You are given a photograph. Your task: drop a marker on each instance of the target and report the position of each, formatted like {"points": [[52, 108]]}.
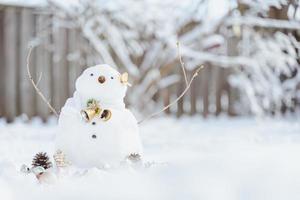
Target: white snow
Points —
{"points": [[217, 158]]}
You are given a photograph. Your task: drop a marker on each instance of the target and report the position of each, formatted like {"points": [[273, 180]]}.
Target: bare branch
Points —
{"points": [[182, 64], [177, 99], [35, 85], [39, 80]]}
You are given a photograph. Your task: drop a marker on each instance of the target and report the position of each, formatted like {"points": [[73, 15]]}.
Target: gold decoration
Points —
{"points": [[92, 103], [106, 115], [89, 113], [93, 109], [124, 79]]}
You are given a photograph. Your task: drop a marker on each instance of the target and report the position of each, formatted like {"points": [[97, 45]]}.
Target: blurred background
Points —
{"points": [[233, 136], [250, 50]]}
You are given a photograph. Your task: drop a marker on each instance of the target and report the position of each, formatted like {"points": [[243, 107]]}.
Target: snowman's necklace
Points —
{"points": [[93, 110]]}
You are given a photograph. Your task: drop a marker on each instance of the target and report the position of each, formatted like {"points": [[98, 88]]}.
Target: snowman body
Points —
{"points": [[96, 143]]}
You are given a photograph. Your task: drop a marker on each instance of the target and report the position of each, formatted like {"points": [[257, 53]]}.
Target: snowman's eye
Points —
{"points": [[111, 77], [91, 74]]}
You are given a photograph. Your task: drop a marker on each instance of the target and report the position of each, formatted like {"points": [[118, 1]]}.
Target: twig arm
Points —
{"points": [[188, 85], [35, 85], [177, 99], [182, 64]]}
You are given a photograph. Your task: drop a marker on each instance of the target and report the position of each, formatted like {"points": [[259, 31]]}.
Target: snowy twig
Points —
{"points": [[182, 64], [221, 60], [39, 80], [177, 99], [35, 85], [264, 22]]}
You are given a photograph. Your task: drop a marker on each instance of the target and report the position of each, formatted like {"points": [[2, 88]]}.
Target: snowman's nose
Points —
{"points": [[101, 79]]}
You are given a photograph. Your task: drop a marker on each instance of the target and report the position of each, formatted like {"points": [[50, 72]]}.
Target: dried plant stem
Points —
{"points": [[35, 85], [177, 99], [188, 85], [182, 64]]}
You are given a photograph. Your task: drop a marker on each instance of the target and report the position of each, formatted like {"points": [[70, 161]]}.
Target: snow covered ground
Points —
{"points": [[222, 159]]}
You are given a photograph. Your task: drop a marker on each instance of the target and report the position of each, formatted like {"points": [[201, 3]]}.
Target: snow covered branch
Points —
{"points": [[35, 85], [265, 58], [263, 22]]}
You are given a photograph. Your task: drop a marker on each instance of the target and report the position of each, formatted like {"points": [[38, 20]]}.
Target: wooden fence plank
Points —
{"points": [[193, 99], [18, 61], [219, 90], [165, 95], [74, 67], [43, 65], [2, 64], [180, 103], [27, 103], [205, 89], [50, 55], [232, 50], [10, 46], [60, 73], [213, 85], [56, 58], [231, 92], [194, 94]]}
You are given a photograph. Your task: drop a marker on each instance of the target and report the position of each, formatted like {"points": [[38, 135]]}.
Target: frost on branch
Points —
{"points": [[270, 81], [140, 37]]}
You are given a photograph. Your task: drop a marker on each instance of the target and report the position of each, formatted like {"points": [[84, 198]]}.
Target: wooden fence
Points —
{"points": [[209, 94]]}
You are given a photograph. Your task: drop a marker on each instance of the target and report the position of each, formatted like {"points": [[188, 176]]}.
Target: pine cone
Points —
{"points": [[41, 159]]}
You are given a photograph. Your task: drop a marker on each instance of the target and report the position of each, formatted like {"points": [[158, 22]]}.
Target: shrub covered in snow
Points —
{"points": [[140, 37], [271, 79]]}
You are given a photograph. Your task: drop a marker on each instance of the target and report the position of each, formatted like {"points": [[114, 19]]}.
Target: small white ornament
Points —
{"points": [[60, 159], [44, 176], [25, 169]]}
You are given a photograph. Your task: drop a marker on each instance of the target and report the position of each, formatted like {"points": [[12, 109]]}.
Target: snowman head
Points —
{"points": [[101, 82]]}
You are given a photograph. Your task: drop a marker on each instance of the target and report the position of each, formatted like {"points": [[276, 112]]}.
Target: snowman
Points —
{"points": [[95, 128]]}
